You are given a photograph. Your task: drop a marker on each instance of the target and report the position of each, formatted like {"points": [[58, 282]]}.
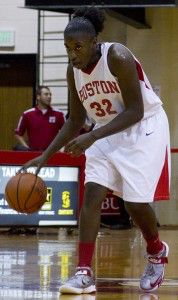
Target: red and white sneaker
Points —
{"points": [[154, 272], [81, 283]]}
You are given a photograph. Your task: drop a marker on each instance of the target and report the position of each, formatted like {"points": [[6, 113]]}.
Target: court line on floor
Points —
{"points": [[135, 281]]}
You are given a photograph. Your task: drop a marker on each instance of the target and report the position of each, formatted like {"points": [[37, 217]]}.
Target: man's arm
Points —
{"points": [[20, 131], [21, 141]]}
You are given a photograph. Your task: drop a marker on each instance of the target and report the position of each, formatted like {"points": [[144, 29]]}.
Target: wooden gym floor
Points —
{"points": [[32, 266]]}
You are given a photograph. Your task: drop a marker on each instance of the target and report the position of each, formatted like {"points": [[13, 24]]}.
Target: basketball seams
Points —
{"points": [[20, 208], [35, 205], [18, 184], [39, 189], [29, 195]]}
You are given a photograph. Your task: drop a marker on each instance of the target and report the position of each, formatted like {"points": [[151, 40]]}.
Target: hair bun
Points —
{"points": [[94, 15]]}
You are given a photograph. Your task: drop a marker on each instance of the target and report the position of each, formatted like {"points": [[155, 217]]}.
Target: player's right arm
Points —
{"points": [[70, 128]]}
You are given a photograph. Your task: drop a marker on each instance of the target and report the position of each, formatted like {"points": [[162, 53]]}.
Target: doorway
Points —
{"points": [[17, 92]]}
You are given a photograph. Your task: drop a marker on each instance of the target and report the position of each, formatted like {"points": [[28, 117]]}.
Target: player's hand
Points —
{"points": [[78, 145], [35, 162]]}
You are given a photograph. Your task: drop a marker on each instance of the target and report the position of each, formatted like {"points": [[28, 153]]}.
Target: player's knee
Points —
{"points": [[90, 205], [94, 195], [134, 208]]}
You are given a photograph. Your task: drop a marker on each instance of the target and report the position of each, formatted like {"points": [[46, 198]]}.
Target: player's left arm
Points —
{"points": [[122, 66]]}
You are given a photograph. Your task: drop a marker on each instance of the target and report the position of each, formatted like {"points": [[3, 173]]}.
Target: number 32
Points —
{"points": [[102, 110]]}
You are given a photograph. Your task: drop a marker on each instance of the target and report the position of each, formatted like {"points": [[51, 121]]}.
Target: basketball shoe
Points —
{"points": [[81, 283], [154, 271]]}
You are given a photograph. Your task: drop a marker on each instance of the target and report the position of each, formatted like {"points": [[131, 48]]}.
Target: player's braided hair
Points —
{"points": [[89, 20]]}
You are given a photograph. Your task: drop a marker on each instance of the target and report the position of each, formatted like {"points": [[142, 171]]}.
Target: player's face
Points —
{"points": [[81, 49], [44, 99]]}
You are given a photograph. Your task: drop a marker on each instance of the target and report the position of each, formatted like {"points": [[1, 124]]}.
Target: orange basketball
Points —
{"points": [[26, 192]]}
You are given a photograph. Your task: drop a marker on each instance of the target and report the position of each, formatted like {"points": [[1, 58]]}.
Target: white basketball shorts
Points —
{"points": [[130, 162]]}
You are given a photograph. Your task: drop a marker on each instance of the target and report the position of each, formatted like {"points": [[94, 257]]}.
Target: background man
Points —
{"points": [[41, 123]]}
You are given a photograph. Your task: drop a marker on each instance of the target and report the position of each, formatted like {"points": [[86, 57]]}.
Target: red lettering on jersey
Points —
{"points": [[103, 108], [104, 87], [97, 87], [114, 88], [83, 94], [90, 89]]}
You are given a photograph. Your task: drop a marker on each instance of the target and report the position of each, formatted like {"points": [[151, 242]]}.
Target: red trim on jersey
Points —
{"points": [[90, 69], [174, 150], [140, 73], [162, 189]]}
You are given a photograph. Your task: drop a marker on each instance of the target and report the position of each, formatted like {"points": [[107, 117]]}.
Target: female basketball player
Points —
{"points": [[126, 150]]}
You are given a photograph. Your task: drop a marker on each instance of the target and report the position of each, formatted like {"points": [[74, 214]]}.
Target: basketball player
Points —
{"points": [[126, 150]]}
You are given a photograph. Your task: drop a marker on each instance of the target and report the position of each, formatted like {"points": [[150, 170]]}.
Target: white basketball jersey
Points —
{"points": [[100, 93]]}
